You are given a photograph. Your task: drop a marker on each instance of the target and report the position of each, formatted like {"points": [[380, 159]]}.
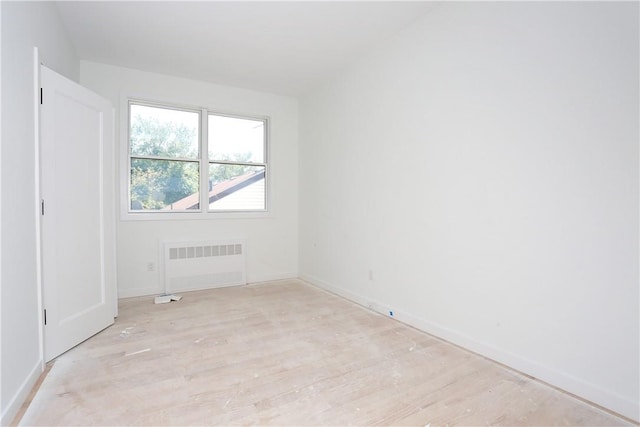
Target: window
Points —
{"points": [[236, 163], [176, 167], [164, 147]]}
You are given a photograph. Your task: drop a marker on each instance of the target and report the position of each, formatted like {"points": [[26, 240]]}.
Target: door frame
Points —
{"points": [[38, 221]]}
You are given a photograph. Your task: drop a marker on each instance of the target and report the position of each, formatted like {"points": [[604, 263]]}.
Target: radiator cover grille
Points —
{"points": [[196, 265]]}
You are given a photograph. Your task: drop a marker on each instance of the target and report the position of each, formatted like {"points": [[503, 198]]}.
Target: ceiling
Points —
{"points": [[280, 47]]}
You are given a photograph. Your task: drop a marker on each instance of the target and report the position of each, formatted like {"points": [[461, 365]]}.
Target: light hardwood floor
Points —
{"points": [[285, 353]]}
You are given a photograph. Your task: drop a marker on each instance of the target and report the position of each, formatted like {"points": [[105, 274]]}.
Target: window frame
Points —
{"points": [[204, 212], [264, 163]]}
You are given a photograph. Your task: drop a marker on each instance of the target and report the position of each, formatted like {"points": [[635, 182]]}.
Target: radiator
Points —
{"points": [[190, 266]]}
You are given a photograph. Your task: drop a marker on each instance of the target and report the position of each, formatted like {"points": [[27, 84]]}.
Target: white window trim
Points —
{"points": [[203, 214]]}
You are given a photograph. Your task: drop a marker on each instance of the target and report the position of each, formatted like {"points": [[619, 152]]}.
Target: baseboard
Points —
{"points": [[148, 291], [270, 277], [16, 402], [582, 389]]}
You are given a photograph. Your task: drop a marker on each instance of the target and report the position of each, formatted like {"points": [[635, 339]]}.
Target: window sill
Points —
{"points": [[195, 216]]}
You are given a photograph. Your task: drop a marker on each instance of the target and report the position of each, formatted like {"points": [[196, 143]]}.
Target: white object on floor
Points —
{"points": [[163, 299]]}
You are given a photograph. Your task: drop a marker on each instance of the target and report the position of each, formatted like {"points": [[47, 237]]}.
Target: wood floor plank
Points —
{"points": [[285, 353]]}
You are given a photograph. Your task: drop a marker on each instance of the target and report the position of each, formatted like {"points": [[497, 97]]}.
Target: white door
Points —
{"points": [[76, 124]]}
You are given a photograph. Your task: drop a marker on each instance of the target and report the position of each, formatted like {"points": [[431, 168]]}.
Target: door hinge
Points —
{"points": [[42, 207], [45, 316], [40, 96]]}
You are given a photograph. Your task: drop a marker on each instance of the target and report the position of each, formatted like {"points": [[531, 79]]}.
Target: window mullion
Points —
{"points": [[204, 160], [232, 163], [170, 159]]}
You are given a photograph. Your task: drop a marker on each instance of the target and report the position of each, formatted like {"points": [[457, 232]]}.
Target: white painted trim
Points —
{"points": [[38, 198], [270, 277], [204, 166], [155, 290], [576, 386], [22, 394], [114, 211]]}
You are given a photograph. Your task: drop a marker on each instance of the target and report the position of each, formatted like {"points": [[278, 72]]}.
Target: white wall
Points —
{"points": [[272, 242], [24, 26], [478, 175]]}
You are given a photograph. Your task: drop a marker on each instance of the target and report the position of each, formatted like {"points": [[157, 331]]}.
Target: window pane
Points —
{"points": [[235, 187], [164, 185], [163, 132], [234, 139]]}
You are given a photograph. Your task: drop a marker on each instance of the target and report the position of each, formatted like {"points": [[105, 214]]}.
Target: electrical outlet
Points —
{"points": [[151, 266], [370, 274]]}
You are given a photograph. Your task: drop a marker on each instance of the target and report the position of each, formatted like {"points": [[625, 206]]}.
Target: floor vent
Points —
{"points": [[190, 266]]}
